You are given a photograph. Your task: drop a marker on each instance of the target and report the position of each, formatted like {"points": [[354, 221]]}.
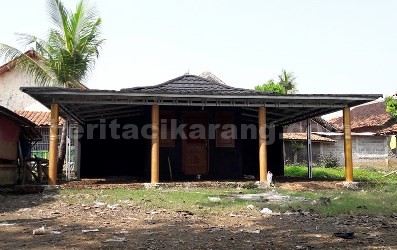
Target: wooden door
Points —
{"points": [[195, 145]]}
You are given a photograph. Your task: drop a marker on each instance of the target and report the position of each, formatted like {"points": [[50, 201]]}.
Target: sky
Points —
{"points": [[332, 47]]}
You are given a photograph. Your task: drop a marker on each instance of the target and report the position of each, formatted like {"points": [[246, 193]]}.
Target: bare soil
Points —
{"points": [[139, 228]]}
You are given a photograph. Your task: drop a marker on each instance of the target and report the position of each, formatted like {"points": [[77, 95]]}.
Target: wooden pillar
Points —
{"points": [[52, 168], [348, 145], [262, 144], [155, 143]]}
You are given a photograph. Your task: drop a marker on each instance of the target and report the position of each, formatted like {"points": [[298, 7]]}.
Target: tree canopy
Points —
{"points": [[285, 85], [271, 87], [391, 106], [287, 80], [68, 53]]}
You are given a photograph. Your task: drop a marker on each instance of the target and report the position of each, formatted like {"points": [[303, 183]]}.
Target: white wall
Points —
{"points": [[10, 95]]}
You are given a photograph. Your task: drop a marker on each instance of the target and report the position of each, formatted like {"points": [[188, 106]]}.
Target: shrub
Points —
{"points": [[329, 160]]}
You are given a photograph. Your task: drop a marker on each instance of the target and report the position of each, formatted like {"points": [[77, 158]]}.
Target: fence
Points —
{"points": [[41, 148]]}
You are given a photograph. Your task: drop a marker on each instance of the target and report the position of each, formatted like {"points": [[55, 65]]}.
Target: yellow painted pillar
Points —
{"points": [[53, 154], [348, 145], [262, 144], [155, 144]]}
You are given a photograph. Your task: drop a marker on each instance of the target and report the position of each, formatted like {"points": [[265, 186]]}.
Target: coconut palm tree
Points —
{"points": [[287, 79], [67, 55]]}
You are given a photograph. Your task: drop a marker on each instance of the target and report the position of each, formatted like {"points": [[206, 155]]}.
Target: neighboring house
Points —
{"points": [[16, 133], [11, 80], [371, 126], [11, 97], [295, 140], [372, 129], [193, 121]]}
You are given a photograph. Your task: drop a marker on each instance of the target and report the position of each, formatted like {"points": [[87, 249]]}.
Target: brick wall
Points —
{"points": [[367, 150]]}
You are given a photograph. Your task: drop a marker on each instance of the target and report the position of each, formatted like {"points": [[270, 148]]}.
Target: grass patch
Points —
{"points": [[379, 200], [194, 200], [377, 194], [363, 175]]}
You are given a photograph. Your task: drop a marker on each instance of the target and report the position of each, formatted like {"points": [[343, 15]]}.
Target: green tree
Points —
{"points": [[271, 87], [288, 81], [68, 53], [391, 106]]}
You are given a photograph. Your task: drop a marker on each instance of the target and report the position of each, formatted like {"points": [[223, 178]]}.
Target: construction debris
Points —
{"points": [[89, 230], [39, 231], [116, 239]]}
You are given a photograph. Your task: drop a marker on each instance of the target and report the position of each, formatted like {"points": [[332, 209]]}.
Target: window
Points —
{"points": [[226, 129]]}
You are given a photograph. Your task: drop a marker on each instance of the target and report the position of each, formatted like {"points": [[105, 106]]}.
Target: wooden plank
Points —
{"points": [[8, 150]]}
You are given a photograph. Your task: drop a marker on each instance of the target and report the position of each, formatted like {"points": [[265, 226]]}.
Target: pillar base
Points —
{"points": [[263, 184], [150, 185], [350, 185]]}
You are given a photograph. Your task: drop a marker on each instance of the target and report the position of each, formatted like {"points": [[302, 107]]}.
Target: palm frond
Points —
{"points": [[70, 50], [41, 74], [40, 45]]}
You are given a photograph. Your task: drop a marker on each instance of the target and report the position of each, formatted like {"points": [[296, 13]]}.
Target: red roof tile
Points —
{"points": [[391, 130], [37, 117], [366, 116], [303, 137]]}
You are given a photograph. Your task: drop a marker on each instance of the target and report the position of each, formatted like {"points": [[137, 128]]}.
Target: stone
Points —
{"points": [[350, 185]]}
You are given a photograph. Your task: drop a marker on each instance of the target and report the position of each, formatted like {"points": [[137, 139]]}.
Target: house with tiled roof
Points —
{"points": [[371, 118], [373, 133], [11, 97], [295, 140]]}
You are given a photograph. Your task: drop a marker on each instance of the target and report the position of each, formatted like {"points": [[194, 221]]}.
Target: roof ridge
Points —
{"points": [[156, 85], [207, 81]]}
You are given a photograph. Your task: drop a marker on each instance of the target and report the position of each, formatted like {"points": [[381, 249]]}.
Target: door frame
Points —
{"points": [[191, 114]]}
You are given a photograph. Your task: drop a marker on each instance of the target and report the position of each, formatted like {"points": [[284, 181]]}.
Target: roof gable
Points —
{"points": [[11, 64], [192, 85]]}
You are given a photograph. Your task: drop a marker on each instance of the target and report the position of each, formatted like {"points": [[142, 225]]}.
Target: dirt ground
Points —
{"points": [[131, 227]]}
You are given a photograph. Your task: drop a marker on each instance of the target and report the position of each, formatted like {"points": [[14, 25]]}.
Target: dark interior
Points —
{"points": [[109, 157], [114, 157]]}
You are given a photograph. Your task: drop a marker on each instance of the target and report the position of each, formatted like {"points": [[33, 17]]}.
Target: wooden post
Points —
{"points": [[262, 144], [155, 143], [77, 150], [348, 145], [309, 149], [52, 168]]}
